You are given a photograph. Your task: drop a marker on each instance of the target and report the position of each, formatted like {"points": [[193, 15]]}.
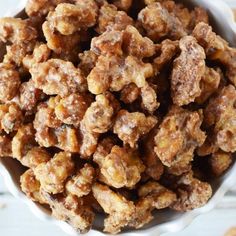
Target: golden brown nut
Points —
{"points": [[131, 126], [178, 136], [159, 23], [100, 115], [220, 161], [29, 96], [217, 49], [35, 157], [119, 209], [152, 195], [192, 193], [189, 68], [109, 17], [221, 113], [208, 85], [23, 141], [123, 4], [11, 117], [129, 93], [168, 50], [38, 8], [120, 168], [71, 209], [114, 73], [58, 77], [71, 110], [5, 146], [16, 30], [53, 174], [41, 53], [81, 183], [10, 82], [31, 187], [69, 18]]}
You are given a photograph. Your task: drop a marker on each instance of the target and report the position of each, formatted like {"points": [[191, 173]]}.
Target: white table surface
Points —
{"points": [[16, 218]]}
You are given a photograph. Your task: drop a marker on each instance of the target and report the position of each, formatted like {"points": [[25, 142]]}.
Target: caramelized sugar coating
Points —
{"points": [[31, 187], [130, 127], [178, 136], [81, 183], [5, 146], [191, 193], [119, 209], [152, 196], [221, 113], [16, 30], [189, 68], [220, 162], [71, 209], [114, 73], [69, 18], [121, 167], [129, 93], [58, 77], [159, 23], [53, 174], [9, 81], [11, 117], [123, 4], [217, 49]]}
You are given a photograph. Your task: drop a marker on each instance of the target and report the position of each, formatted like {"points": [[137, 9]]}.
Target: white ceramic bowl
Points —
{"points": [[165, 221]]}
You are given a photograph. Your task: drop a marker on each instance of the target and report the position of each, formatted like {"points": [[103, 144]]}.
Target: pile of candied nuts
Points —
{"points": [[121, 107]]}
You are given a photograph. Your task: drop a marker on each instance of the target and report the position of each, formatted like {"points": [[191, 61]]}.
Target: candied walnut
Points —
{"points": [[149, 98], [131, 126], [209, 84], [221, 113], [70, 110], [11, 117], [116, 72], [208, 147], [29, 96], [31, 187], [110, 42], [168, 50], [123, 4], [61, 44], [100, 115], [189, 68], [16, 53], [23, 141], [154, 166], [69, 18], [159, 23], [217, 49], [58, 77], [136, 45], [41, 53], [88, 61], [5, 146], [16, 30], [119, 209], [39, 8], [182, 167], [81, 183], [9, 82], [35, 157], [198, 15], [191, 193], [178, 136], [129, 93], [72, 210], [152, 196], [109, 17], [53, 174], [220, 162], [120, 168]]}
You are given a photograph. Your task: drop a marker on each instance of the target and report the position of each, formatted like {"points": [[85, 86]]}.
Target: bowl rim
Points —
{"points": [[168, 227]]}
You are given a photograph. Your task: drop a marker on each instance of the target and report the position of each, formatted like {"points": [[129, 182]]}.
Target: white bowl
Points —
{"points": [[165, 221]]}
